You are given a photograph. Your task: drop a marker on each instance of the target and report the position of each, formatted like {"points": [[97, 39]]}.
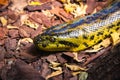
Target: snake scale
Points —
{"points": [[82, 33]]}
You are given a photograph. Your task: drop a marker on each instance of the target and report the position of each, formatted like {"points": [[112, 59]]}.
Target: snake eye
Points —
{"points": [[37, 40], [52, 39]]}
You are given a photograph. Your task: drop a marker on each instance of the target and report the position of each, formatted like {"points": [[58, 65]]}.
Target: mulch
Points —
{"points": [[21, 60]]}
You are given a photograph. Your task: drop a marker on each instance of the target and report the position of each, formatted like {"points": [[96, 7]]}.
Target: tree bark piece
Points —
{"points": [[106, 67]]}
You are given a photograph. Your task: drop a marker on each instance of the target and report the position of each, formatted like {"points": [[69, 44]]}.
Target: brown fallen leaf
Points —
{"points": [[12, 27], [37, 31], [75, 67], [27, 29], [76, 73], [57, 72], [115, 37], [80, 10], [3, 21], [76, 57], [45, 6], [2, 42], [79, 57], [93, 5], [31, 24], [10, 44], [56, 11], [34, 3], [70, 7], [13, 33], [17, 7], [41, 19], [54, 64], [23, 33], [23, 18], [4, 2], [3, 32], [105, 43], [2, 55], [12, 16], [27, 40], [65, 14], [47, 13], [43, 1], [51, 58]]}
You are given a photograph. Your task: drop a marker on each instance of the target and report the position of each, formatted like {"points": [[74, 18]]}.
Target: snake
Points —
{"points": [[81, 33]]}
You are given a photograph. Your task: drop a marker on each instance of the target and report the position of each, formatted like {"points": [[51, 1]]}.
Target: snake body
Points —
{"points": [[80, 34]]}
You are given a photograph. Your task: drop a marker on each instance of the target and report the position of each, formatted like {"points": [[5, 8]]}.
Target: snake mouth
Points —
{"points": [[68, 43]]}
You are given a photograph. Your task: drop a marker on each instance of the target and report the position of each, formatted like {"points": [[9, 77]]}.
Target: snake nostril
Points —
{"points": [[44, 45]]}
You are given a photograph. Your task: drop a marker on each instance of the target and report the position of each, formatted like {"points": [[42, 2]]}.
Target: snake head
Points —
{"points": [[52, 43]]}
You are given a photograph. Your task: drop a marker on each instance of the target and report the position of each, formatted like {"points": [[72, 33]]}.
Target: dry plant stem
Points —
{"points": [[96, 56]]}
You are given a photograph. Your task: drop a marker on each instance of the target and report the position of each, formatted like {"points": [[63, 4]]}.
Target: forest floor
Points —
{"points": [[22, 20]]}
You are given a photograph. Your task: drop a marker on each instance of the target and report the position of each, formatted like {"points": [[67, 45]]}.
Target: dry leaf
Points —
{"points": [[57, 72], [31, 24], [74, 67], [18, 5], [34, 3], [75, 9], [56, 68], [107, 42], [28, 40], [4, 2], [70, 7], [115, 37], [94, 50], [3, 21], [76, 73], [76, 57], [47, 13], [83, 76], [80, 10], [23, 18], [54, 64], [12, 27], [3, 32], [57, 11], [104, 43]]}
